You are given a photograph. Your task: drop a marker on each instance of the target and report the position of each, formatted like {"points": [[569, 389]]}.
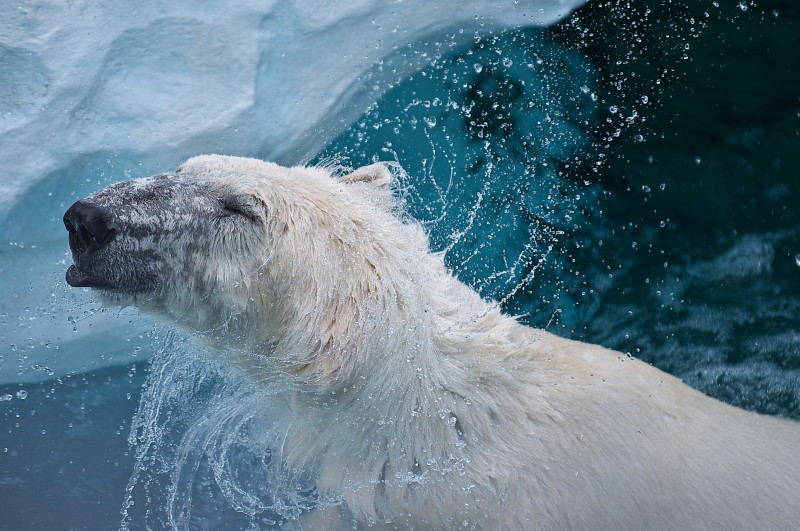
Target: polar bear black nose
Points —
{"points": [[88, 227]]}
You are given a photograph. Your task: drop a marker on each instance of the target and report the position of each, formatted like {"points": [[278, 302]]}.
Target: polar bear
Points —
{"points": [[409, 398]]}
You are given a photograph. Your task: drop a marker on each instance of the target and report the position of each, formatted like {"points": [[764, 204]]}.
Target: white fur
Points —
{"points": [[420, 404]]}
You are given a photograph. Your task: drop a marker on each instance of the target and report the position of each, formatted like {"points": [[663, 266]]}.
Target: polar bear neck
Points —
{"points": [[385, 347], [351, 289]]}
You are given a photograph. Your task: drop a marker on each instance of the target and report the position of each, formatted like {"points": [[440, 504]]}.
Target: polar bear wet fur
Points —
{"points": [[412, 400]]}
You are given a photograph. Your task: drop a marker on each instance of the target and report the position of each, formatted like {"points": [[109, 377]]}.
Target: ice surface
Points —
{"points": [[95, 92]]}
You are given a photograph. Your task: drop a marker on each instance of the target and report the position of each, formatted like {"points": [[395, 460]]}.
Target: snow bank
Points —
{"points": [[95, 92]]}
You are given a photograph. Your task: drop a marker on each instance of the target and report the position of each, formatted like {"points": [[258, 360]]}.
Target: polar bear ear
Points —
{"points": [[376, 174]]}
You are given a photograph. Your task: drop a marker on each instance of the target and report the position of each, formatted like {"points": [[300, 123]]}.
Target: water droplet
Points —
{"points": [[614, 109], [478, 68]]}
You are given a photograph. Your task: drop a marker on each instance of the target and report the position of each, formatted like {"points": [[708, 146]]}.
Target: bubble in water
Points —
{"points": [[797, 259]]}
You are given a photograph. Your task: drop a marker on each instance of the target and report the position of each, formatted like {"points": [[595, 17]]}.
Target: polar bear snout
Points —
{"points": [[135, 237], [88, 227], [90, 232]]}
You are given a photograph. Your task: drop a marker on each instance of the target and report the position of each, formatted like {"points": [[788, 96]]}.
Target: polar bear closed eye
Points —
{"points": [[414, 401]]}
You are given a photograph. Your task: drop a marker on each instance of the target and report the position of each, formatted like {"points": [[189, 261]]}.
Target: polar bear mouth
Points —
{"points": [[77, 278]]}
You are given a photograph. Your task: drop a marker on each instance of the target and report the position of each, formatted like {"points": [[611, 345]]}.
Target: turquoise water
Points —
{"points": [[628, 178]]}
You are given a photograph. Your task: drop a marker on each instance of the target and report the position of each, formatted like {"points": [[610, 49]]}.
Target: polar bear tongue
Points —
{"points": [[79, 279]]}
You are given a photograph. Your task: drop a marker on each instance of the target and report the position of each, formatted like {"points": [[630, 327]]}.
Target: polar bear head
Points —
{"points": [[227, 246]]}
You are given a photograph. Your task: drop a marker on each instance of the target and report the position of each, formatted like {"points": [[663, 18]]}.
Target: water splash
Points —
{"points": [[204, 438], [497, 182]]}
